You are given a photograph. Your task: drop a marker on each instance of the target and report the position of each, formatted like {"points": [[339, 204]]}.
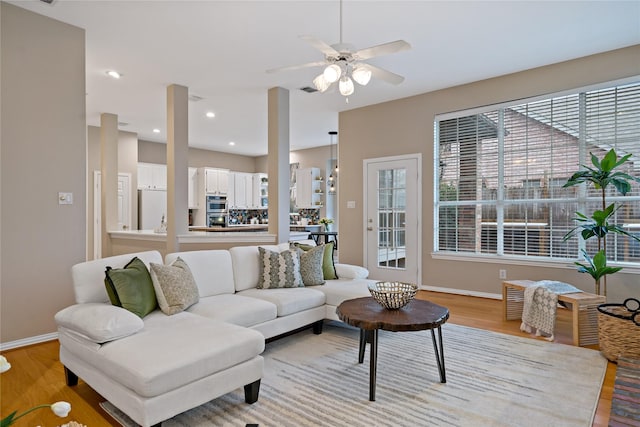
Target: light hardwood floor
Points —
{"points": [[37, 377]]}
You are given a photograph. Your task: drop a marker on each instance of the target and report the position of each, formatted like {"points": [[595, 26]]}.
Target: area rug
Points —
{"points": [[492, 380], [625, 403]]}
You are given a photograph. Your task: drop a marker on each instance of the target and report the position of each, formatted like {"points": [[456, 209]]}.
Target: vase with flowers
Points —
{"points": [[326, 221]]}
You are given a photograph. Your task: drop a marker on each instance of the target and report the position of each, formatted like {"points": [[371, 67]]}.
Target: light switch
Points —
{"points": [[65, 198], [351, 204]]}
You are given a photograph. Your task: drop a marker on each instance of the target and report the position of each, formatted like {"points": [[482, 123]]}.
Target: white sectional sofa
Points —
{"points": [[158, 366]]}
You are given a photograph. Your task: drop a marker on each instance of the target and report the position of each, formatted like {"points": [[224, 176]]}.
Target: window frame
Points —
{"points": [[515, 259]]}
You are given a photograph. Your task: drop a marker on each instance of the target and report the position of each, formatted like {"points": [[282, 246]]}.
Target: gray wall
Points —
{"points": [[154, 152], [43, 152], [406, 126]]}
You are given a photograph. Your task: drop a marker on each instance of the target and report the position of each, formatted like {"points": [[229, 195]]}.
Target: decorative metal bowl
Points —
{"points": [[393, 295]]}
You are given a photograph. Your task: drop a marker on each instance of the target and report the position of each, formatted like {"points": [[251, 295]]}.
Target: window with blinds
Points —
{"points": [[501, 173]]}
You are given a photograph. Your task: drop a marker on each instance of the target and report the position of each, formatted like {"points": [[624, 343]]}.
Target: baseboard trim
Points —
{"points": [[461, 292], [28, 341]]}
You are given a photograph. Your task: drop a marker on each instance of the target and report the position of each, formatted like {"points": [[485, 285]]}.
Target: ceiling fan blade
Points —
{"points": [[385, 75], [296, 67], [382, 49], [320, 45]]}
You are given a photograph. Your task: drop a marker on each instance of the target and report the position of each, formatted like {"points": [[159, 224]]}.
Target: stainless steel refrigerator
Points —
{"points": [[152, 205]]}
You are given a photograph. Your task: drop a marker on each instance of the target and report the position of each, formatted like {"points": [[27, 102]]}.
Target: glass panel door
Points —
{"points": [[392, 190], [392, 239]]}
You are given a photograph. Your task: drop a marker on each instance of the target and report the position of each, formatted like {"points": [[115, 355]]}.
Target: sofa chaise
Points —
{"points": [[155, 367]]}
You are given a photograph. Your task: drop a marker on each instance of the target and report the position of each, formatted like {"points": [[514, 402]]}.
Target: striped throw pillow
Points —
{"points": [[279, 270]]}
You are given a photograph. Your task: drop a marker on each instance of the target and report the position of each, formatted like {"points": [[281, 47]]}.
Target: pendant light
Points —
{"points": [[333, 176]]}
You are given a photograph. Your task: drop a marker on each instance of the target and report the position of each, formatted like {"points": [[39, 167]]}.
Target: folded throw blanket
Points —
{"points": [[540, 305]]}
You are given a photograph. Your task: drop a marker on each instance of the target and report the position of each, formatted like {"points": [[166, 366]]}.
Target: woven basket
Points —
{"points": [[619, 329], [393, 295]]}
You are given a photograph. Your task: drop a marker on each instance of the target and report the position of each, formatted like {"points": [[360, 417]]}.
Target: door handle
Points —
{"points": [[370, 228]]}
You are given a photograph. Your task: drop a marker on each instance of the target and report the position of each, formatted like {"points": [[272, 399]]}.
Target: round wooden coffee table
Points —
{"points": [[366, 314]]}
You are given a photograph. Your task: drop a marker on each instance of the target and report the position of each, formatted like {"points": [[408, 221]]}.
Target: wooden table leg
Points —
{"points": [[372, 366], [439, 354]]}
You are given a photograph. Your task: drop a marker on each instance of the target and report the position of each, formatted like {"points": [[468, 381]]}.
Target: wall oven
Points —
{"points": [[217, 220], [217, 212], [216, 203]]}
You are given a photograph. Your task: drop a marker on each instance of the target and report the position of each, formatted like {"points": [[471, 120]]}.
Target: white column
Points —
{"points": [[278, 163], [177, 164]]}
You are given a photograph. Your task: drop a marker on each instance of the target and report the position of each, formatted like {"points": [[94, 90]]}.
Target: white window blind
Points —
{"points": [[501, 175]]}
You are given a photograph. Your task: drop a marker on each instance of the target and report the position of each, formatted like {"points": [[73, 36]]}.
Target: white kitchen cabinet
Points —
{"points": [[260, 190], [152, 176], [231, 194], [194, 200], [243, 191], [309, 188], [248, 190], [216, 181]]}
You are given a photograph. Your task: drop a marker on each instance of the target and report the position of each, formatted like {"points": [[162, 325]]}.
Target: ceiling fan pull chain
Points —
{"points": [[340, 21]]}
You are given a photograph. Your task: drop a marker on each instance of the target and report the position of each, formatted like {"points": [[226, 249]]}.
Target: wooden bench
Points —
{"points": [[583, 305]]}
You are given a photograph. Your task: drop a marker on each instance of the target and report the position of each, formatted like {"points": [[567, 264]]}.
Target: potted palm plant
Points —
{"points": [[598, 225]]}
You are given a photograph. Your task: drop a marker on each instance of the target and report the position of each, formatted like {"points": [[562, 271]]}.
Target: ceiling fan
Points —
{"points": [[344, 64]]}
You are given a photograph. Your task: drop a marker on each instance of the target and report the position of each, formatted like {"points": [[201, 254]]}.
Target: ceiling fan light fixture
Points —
{"points": [[361, 74], [321, 83], [346, 86], [332, 73]]}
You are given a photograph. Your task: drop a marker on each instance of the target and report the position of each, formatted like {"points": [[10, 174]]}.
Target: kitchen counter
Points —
{"points": [[253, 228], [233, 228], [206, 235]]}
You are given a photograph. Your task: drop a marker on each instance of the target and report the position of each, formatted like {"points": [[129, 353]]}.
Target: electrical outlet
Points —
{"points": [[503, 274]]}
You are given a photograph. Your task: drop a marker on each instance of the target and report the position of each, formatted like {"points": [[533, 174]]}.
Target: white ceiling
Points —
{"points": [[221, 49]]}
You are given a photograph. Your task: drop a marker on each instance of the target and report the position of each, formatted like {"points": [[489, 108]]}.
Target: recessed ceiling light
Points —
{"points": [[211, 114], [114, 74], [156, 130], [232, 143]]}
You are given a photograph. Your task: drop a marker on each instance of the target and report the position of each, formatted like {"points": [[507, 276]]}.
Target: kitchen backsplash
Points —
{"points": [[312, 215], [244, 216]]}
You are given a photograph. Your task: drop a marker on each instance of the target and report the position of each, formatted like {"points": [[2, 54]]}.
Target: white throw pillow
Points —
{"points": [[348, 271], [99, 322]]}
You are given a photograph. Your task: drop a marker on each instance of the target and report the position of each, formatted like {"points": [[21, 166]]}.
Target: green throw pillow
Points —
{"points": [[328, 267], [311, 265], [279, 270], [131, 288]]}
